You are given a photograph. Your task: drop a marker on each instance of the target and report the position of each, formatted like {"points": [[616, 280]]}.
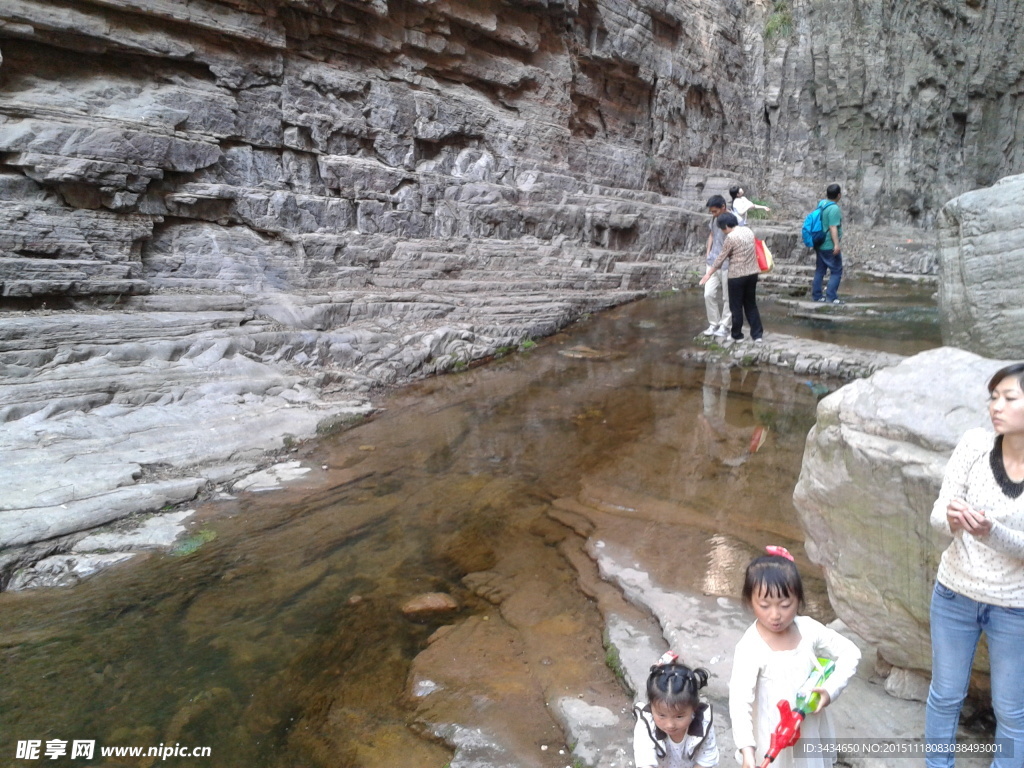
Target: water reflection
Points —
{"points": [[725, 560], [280, 642]]}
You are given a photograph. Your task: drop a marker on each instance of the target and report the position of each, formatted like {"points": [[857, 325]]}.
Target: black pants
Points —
{"points": [[743, 301]]}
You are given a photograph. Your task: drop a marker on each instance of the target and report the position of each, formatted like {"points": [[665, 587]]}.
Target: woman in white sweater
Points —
{"points": [[741, 204], [980, 583]]}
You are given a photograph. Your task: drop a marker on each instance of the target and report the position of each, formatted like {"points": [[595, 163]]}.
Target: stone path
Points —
{"points": [[802, 356]]}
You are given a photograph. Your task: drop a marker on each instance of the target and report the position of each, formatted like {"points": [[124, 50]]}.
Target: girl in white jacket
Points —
{"points": [[775, 657], [675, 729]]}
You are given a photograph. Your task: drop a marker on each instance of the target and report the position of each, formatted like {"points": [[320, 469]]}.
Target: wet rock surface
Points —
{"points": [[802, 356], [94, 552], [64, 570], [430, 603]]}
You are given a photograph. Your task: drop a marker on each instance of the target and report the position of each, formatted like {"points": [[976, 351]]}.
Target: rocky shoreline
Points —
{"points": [[186, 401], [109, 413], [642, 616], [185, 394]]}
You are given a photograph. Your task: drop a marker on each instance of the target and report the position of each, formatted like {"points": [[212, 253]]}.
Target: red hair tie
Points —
{"points": [[773, 549]]}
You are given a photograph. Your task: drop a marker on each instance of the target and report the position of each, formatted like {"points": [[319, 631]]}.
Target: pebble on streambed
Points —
{"points": [[429, 604]]}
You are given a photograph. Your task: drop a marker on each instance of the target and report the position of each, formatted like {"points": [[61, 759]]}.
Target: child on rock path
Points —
{"points": [[774, 658], [675, 729]]}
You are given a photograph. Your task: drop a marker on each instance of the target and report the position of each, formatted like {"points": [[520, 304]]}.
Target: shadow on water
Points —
{"points": [[281, 641]]}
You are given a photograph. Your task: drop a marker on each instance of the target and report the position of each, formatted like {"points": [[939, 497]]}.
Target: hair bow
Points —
{"points": [[667, 658], [774, 549]]}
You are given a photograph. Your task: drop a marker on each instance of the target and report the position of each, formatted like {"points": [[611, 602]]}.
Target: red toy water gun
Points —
{"points": [[787, 732]]}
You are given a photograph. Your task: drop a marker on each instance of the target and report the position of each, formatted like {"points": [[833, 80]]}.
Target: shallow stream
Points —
{"points": [[280, 642]]}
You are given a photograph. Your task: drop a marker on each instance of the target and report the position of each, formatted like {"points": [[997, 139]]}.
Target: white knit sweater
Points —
{"points": [[989, 569]]}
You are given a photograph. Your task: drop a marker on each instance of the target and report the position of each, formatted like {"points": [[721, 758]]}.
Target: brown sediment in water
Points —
{"points": [[281, 641]]}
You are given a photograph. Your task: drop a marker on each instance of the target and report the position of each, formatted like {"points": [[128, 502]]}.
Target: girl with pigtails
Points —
{"points": [[675, 729]]}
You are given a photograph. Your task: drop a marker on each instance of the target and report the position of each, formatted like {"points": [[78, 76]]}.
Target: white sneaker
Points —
{"points": [[759, 341], [709, 331], [721, 332]]}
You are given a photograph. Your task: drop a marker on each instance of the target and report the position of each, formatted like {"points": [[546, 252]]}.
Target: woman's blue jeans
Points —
{"points": [[957, 623]]}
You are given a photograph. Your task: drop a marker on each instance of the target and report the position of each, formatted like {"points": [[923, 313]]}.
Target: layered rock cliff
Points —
{"points": [[905, 104], [310, 146], [230, 215], [293, 144]]}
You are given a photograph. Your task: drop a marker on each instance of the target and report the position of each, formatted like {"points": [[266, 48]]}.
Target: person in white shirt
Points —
{"points": [[716, 291], [980, 582], [774, 658], [675, 729], [741, 204]]}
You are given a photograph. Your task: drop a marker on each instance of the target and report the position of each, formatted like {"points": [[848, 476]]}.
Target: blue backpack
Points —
{"points": [[813, 233]]}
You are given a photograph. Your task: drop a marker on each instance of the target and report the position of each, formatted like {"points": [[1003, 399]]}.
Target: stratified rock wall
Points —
{"points": [[905, 104], [291, 146], [261, 145], [332, 129]]}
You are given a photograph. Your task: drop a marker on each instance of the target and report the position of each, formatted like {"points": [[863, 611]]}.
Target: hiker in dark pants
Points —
{"points": [[829, 255], [739, 249]]}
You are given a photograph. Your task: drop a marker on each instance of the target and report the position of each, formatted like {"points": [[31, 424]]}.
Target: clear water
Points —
{"points": [[280, 643]]}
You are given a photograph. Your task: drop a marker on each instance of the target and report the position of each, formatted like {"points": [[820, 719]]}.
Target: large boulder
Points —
{"points": [[981, 255], [872, 469]]}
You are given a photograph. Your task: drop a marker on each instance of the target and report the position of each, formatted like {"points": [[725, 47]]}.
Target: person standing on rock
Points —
{"points": [[775, 657], [719, 315], [738, 247], [980, 582], [741, 204], [829, 257]]}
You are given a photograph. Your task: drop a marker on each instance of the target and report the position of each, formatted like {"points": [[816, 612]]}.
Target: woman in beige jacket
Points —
{"points": [[743, 272]]}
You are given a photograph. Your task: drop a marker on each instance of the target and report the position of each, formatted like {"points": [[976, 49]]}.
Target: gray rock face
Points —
{"points": [[871, 472], [905, 105], [235, 219], [981, 237], [233, 150], [223, 147], [239, 225], [65, 570]]}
